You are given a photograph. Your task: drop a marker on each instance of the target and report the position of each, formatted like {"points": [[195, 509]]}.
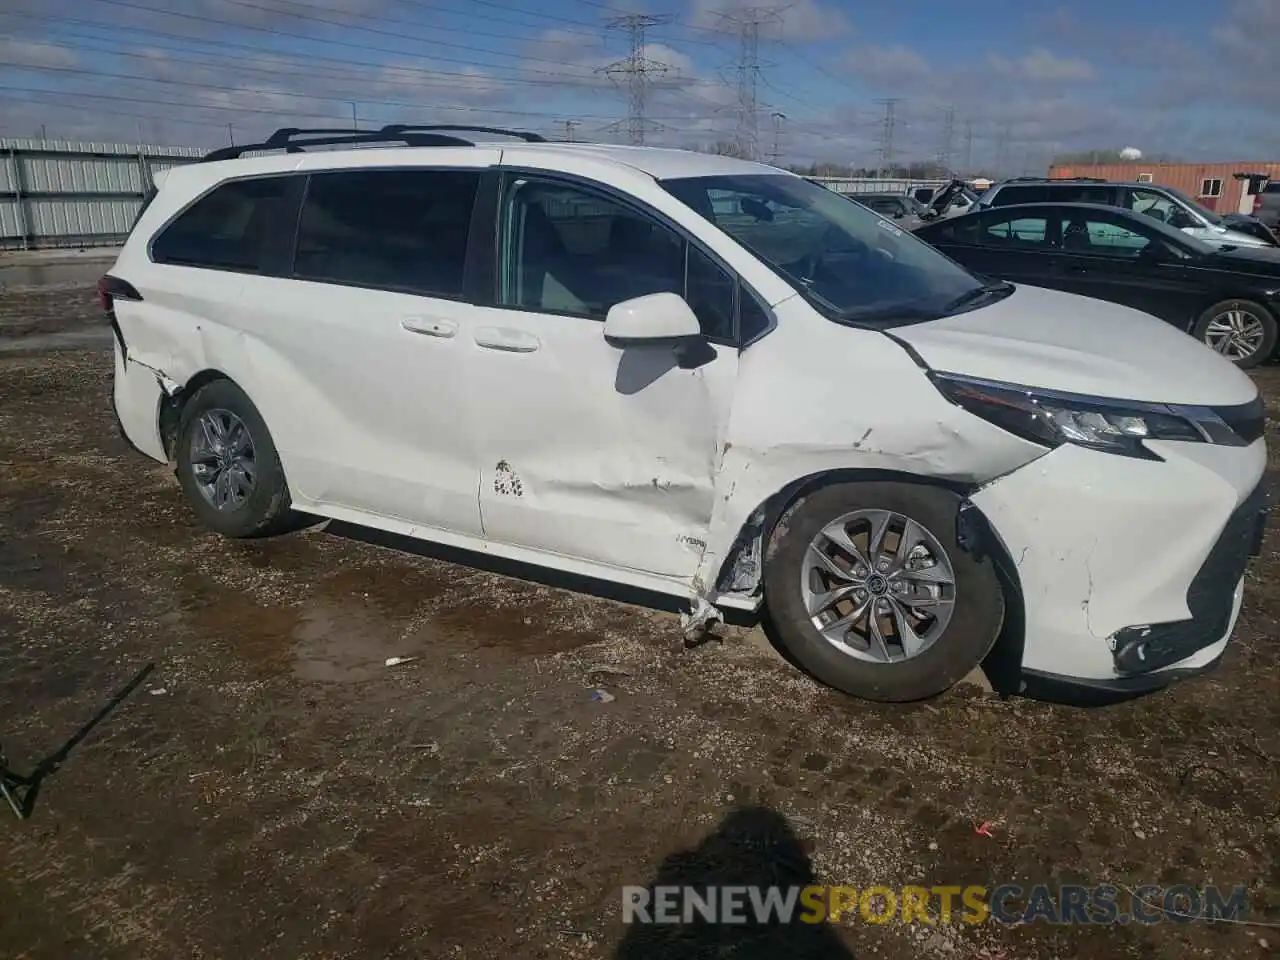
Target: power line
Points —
{"points": [[327, 40], [636, 70], [337, 113]]}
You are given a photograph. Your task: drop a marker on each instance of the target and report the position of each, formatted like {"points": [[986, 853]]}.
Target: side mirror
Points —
{"points": [[656, 319], [898, 214]]}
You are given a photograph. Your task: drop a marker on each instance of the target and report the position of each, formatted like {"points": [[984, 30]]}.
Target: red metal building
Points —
{"points": [[1213, 185]]}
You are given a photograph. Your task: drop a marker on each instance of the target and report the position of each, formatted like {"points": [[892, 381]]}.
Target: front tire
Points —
{"points": [[1243, 331], [870, 592], [228, 466]]}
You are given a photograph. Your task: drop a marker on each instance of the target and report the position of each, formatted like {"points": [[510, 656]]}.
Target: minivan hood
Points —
{"points": [[1042, 338]]}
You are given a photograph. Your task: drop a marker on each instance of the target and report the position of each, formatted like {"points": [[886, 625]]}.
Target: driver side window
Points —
{"points": [[570, 250], [1152, 204]]}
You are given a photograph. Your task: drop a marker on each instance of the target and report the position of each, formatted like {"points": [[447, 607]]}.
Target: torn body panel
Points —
{"points": [[887, 420]]}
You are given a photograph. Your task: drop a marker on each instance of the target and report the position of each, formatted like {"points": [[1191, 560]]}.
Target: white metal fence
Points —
{"points": [[875, 185], [59, 193]]}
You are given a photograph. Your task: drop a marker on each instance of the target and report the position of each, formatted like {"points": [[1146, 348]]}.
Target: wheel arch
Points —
{"points": [[975, 532], [172, 405]]}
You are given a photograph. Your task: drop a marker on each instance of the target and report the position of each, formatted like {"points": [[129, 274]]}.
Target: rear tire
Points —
{"points": [[228, 466], [930, 654], [1243, 331]]}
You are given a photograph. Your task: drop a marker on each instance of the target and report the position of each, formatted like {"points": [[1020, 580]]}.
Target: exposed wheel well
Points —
{"points": [[171, 407], [1004, 663]]}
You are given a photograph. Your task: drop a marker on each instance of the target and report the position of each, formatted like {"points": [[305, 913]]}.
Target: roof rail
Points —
{"points": [[296, 139], [1056, 180]]}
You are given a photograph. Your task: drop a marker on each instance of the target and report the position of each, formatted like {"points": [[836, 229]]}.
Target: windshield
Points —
{"points": [[1205, 212], [848, 262]]}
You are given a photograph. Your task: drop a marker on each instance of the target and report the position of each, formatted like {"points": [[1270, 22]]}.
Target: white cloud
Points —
{"points": [[802, 21], [16, 52]]}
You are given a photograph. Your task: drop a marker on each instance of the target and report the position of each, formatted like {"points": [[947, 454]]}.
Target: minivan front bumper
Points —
{"points": [[1131, 571]]}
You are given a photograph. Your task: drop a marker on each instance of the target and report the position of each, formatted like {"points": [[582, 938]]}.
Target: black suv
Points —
{"points": [[1165, 204]]}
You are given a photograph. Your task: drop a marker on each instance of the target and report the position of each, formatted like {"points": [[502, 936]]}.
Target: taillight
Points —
{"points": [[104, 297], [111, 289], [1257, 203]]}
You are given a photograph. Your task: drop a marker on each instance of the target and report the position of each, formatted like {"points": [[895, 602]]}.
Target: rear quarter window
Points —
{"points": [[226, 229]]}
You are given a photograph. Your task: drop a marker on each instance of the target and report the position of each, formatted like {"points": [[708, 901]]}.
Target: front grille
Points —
{"points": [[1210, 596], [1247, 420]]}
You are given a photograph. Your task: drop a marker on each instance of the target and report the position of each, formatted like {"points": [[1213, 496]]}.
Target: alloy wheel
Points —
{"points": [[878, 586], [1236, 334], [222, 459]]}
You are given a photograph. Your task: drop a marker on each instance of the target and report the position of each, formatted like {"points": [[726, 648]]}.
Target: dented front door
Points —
{"points": [[593, 452]]}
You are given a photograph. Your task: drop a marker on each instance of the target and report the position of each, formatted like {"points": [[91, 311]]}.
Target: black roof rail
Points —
{"points": [[1057, 180], [296, 139], [396, 128]]}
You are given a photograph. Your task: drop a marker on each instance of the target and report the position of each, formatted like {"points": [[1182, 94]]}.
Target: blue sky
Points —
{"points": [[1020, 80]]}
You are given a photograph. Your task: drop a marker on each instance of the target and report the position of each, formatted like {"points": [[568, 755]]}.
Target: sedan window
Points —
{"points": [[1016, 232]]}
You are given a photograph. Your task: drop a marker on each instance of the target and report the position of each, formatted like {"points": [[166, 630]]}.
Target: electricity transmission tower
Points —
{"points": [[1002, 149], [569, 126], [887, 132], [948, 136], [968, 147], [636, 71], [748, 22]]}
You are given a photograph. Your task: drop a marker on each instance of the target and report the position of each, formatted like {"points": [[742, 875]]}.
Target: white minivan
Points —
{"points": [[698, 376]]}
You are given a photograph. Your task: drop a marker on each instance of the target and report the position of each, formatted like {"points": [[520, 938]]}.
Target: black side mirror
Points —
{"points": [[898, 214]]}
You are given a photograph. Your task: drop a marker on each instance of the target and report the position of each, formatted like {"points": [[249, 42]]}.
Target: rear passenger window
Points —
{"points": [[391, 229], [225, 229]]}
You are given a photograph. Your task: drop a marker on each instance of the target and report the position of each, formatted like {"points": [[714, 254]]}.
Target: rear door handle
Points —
{"points": [[506, 339], [430, 326]]}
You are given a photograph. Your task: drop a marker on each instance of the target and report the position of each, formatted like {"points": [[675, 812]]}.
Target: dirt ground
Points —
{"points": [[273, 790]]}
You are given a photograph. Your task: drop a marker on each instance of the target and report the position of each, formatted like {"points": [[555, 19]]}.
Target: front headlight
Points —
{"points": [[1052, 418]]}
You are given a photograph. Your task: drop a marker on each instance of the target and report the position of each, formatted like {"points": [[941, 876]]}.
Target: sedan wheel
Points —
{"points": [[1235, 334], [1242, 331]]}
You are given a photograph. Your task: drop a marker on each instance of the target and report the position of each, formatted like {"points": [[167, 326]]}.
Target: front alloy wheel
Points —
{"points": [[869, 590], [878, 586]]}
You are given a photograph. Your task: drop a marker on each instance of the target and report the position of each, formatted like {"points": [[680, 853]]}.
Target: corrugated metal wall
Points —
{"points": [[1188, 177], [57, 193], [873, 185]]}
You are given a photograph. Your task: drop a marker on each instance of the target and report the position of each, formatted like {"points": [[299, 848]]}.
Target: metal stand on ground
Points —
{"points": [[9, 782]]}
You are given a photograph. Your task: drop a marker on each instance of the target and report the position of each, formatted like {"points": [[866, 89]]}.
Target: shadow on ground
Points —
{"points": [[753, 847]]}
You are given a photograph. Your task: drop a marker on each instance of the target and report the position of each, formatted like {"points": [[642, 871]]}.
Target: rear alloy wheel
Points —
{"points": [[1242, 331], [869, 590], [228, 466]]}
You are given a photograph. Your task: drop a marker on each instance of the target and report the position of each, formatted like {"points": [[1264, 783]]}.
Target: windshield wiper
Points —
{"points": [[970, 297]]}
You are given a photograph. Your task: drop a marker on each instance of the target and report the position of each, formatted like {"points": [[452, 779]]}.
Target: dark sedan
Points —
{"points": [[1227, 298]]}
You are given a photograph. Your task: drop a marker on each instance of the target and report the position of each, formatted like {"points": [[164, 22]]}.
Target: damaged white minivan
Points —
{"points": [[698, 376]]}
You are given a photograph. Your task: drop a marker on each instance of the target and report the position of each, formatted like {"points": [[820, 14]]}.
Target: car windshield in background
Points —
{"points": [[848, 262], [1205, 212]]}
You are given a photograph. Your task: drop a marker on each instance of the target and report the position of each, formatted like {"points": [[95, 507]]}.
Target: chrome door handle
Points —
{"points": [[430, 326], [506, 339]]}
